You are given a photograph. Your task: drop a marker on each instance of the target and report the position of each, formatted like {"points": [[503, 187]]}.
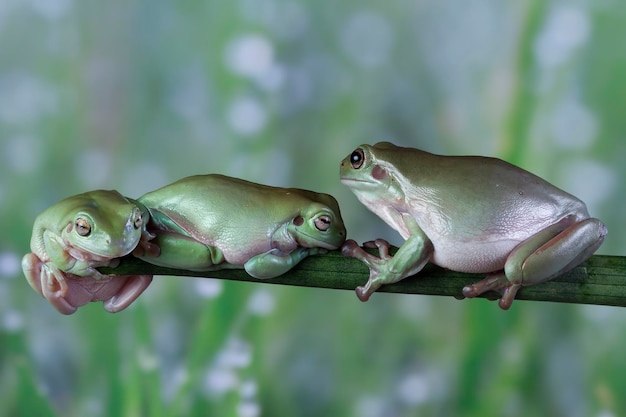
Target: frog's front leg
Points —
{"points": [[385, 269], [274, 263], [72, 260], [545, 255], [47, 280]]}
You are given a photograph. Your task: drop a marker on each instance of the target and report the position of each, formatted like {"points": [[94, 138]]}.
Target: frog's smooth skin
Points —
{"points": [[469, 214], [73, 237], [210, 222]]}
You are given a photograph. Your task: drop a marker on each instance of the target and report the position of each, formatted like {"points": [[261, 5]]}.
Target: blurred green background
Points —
{"points": [[131, 95]]}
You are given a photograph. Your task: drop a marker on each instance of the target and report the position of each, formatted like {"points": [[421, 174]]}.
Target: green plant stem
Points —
{"points": [[600, 280]]}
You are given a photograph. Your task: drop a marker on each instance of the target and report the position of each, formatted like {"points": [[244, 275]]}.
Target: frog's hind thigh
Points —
{"points": [[548, 254]]}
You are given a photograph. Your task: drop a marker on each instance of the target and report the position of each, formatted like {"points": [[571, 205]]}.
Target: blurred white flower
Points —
{"points": [[567, 28], [261, 303], [208, 288], [248, 409], [10, 264], [218, 381], [249, 55], [236, 354], [414, 389], [12, 321], [247, 116]]}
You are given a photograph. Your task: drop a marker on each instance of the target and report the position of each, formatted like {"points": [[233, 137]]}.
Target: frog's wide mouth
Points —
{"points": [[357, 183], [319, 243], [350, 179], [98, 254]]}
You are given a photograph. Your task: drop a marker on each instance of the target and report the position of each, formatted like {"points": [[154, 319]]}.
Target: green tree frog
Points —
{"points": [[210, 222], [469, 214], [73, 237]]}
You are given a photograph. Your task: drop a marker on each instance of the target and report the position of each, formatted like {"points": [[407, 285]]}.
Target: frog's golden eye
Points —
{"points": [[357, 158], [82, 226], [322, 223], [137, 219]]}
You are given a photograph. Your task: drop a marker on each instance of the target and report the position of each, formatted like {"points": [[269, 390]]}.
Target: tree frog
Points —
{"points": [[468, 214], [73, 237], [210, 222]]}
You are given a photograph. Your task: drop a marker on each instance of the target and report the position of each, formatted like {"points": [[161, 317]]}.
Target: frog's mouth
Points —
{"points": [[317, 243], [348, 180], [97, 255]]}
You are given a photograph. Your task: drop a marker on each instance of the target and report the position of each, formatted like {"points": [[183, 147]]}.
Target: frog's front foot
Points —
{"points": [[352, 249], [48, 281], [146, 248], [494, 282]]}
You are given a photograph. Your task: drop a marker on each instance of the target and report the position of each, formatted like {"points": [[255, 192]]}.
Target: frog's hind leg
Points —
{"points": [[545, 255], [536, 261]]}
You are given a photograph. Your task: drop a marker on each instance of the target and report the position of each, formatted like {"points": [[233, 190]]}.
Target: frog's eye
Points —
{"points": [[322, 223], [82, 226], [137, 219], [357, 158]]}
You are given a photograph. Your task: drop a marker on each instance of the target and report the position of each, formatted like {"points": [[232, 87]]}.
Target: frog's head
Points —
{"points": [[103, 225], [319, 223], [369, 168]]}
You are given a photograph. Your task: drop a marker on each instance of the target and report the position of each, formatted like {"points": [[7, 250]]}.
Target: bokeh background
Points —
{"points": [[131, 95]]}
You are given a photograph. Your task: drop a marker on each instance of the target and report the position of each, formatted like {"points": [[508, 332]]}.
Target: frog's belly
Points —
{"points": [[240, 254], [474, 257]]}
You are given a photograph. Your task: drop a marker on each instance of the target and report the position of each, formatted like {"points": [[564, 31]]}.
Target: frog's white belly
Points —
{"points": [[472, 256]]}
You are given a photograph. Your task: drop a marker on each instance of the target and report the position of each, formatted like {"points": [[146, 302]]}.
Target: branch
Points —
{"points": [[600, 280]]}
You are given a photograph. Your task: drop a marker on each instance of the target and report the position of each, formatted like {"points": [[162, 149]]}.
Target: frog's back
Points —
{"points": [[221, 194], [226, 212], [479, 207], [481, 188]]}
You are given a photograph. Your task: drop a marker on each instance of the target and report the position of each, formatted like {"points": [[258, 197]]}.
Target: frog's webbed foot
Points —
{"points": [[146, 248], [132, 288], [49, 281], [352, 249], [494, 282]]}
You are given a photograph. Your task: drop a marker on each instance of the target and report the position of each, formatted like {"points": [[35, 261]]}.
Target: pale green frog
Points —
{"points": [[210, 222], [73, 237], [468, 214]]}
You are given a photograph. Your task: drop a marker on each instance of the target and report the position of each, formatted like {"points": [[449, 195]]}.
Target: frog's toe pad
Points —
{"points": [[352, 249], [362, 293], [470, 291]]}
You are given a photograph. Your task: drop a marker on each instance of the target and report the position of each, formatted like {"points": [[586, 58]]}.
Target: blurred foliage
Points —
{"points": [[134, 94]]}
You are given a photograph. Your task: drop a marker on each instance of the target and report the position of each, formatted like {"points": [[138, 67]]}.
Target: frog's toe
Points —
{"points": [[363, 293], [62, 305], [128, 293], [493, 282], [382, 245], [350, 248], [508, 296]]}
